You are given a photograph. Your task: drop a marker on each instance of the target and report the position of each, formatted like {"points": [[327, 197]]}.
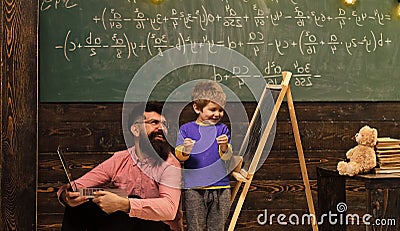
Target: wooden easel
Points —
{"points": [[246, 177]]}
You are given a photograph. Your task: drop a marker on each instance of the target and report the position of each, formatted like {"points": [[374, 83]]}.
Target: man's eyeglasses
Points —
{"points": [[154, 123]]}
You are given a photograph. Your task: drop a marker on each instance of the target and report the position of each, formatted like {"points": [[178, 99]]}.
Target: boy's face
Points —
{"points": [[210, 114]]}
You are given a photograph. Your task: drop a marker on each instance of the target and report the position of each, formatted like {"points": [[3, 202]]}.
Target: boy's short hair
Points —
{"points": [[208, 91]]}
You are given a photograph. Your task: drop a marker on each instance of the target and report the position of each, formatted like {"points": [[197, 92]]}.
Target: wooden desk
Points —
{"points": [[383, 198]]}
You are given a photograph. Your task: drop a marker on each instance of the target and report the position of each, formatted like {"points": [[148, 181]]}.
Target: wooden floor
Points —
{"points": [[92, 132]]}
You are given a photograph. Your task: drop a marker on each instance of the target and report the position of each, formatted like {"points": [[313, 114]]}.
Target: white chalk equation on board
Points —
{"points": [[339, 46], [203, 18], [272, 73], [46, 5], [307, 43]]}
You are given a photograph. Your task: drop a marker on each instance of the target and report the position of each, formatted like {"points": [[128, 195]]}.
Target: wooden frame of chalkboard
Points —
{"points": [[90, 51]]}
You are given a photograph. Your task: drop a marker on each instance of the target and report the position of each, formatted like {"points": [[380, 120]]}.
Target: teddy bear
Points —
{"points": [[361, 158]]}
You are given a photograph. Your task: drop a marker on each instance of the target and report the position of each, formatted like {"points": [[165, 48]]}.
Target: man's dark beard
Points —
{"points": [[156, 148]]}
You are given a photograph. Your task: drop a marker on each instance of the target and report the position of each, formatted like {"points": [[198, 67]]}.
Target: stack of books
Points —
{"points": [[388, 155]]}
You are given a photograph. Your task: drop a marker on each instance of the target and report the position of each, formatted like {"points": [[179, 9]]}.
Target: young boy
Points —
{"points": [[204, 145]]}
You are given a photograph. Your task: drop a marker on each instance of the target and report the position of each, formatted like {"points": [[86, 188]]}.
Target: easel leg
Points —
{"points": [[302, 161], [235, 191], [239, 205]]}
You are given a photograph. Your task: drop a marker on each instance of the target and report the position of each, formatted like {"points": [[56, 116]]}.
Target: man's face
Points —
{"points": [[155, 123], [152, 138]]}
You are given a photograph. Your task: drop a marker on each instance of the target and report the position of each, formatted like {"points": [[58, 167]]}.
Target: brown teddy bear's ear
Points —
{"points": [[362, 135]]}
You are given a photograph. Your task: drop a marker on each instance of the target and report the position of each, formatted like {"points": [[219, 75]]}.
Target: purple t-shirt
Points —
{"points": [[204, 166]]}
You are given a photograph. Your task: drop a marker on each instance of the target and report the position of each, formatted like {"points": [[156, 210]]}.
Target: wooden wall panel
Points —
{"points": [[18, 89], [92, 132]]}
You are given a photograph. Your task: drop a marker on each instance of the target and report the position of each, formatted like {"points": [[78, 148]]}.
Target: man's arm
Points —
{"points": [[164, 207], [70, 198], [110, 202], [94, 178]]}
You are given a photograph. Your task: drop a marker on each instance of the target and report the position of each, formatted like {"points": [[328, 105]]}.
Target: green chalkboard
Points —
{"points": [[98, 50]]}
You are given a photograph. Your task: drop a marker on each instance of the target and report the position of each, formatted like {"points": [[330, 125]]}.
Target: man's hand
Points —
{"points": [[110, 202], [73, 198], [222, 141]]}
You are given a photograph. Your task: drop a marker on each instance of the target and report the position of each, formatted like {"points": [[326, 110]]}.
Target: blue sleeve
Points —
{"points": [[225, 131], [181, 136]]}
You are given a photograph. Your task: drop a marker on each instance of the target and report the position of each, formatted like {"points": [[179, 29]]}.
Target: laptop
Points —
{"points": [[88, 192]]}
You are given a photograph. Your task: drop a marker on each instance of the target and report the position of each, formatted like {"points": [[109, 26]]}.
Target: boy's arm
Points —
{"points": [[179, 153], [224, 144], [227, 154], [182, 151]]}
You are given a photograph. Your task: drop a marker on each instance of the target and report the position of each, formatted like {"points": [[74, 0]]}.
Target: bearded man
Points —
{"points": [[146, 172]]}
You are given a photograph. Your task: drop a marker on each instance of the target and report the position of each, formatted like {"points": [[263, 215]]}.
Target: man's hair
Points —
{"points": [[208, 91], [137, 111]]}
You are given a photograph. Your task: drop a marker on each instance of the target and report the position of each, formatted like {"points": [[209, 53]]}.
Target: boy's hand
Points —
{"points": [[187, 146], [222, 141]]}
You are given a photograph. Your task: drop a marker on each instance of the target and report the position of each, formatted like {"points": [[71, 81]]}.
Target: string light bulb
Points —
{"points": [[350, 2], [157, 1], [397, 10]]}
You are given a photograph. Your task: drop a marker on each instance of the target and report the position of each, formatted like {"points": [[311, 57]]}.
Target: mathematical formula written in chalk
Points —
{"points": [[307, 43], [323, 43]]}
